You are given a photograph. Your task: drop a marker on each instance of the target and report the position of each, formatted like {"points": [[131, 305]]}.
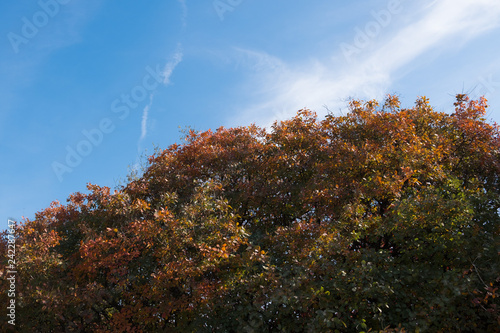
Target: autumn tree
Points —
{"points": [[386, 219]]}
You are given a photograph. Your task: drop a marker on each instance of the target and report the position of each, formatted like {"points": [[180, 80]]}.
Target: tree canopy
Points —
{"points": [[384, 219]]}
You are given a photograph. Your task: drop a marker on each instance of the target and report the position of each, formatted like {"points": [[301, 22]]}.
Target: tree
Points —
{"points": [[384, 219]]}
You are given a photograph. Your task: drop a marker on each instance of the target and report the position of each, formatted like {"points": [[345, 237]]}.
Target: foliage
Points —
{"points": [[386, 219]]}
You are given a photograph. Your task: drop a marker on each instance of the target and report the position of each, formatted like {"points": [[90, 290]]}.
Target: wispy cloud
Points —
{"points": [[168, 69], [283, 88], [144, 123], [166, 73], [448, 24], [171, 64], [184, 14]]}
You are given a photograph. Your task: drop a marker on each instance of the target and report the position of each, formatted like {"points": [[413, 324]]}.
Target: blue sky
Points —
{"points": [[87, 87]]}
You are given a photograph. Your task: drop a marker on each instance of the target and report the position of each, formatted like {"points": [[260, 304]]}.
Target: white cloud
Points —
{"points": [[282, 88], [449, 23], [166, 74], [170, 65], [144, 122], [184, 14]]}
